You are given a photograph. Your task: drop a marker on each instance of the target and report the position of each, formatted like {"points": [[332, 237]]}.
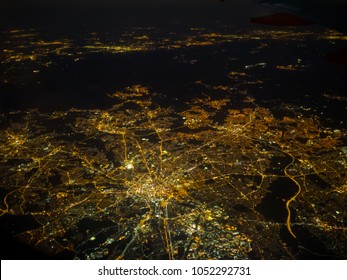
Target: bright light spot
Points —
{"points": [[129, 165]]}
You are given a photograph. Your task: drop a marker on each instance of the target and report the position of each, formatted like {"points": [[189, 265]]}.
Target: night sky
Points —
{"points": [[72, 13]]}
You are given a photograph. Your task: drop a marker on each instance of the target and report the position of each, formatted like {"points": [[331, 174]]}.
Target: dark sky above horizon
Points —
{"points": [[73, 13], [236, 5], [109, 3], [150, 11]]}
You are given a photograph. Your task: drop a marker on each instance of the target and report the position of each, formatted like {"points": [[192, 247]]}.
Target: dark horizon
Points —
{"points": [[109, 13]]}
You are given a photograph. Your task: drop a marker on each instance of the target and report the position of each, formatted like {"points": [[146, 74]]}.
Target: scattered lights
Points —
{"points": [[26, 45]]}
